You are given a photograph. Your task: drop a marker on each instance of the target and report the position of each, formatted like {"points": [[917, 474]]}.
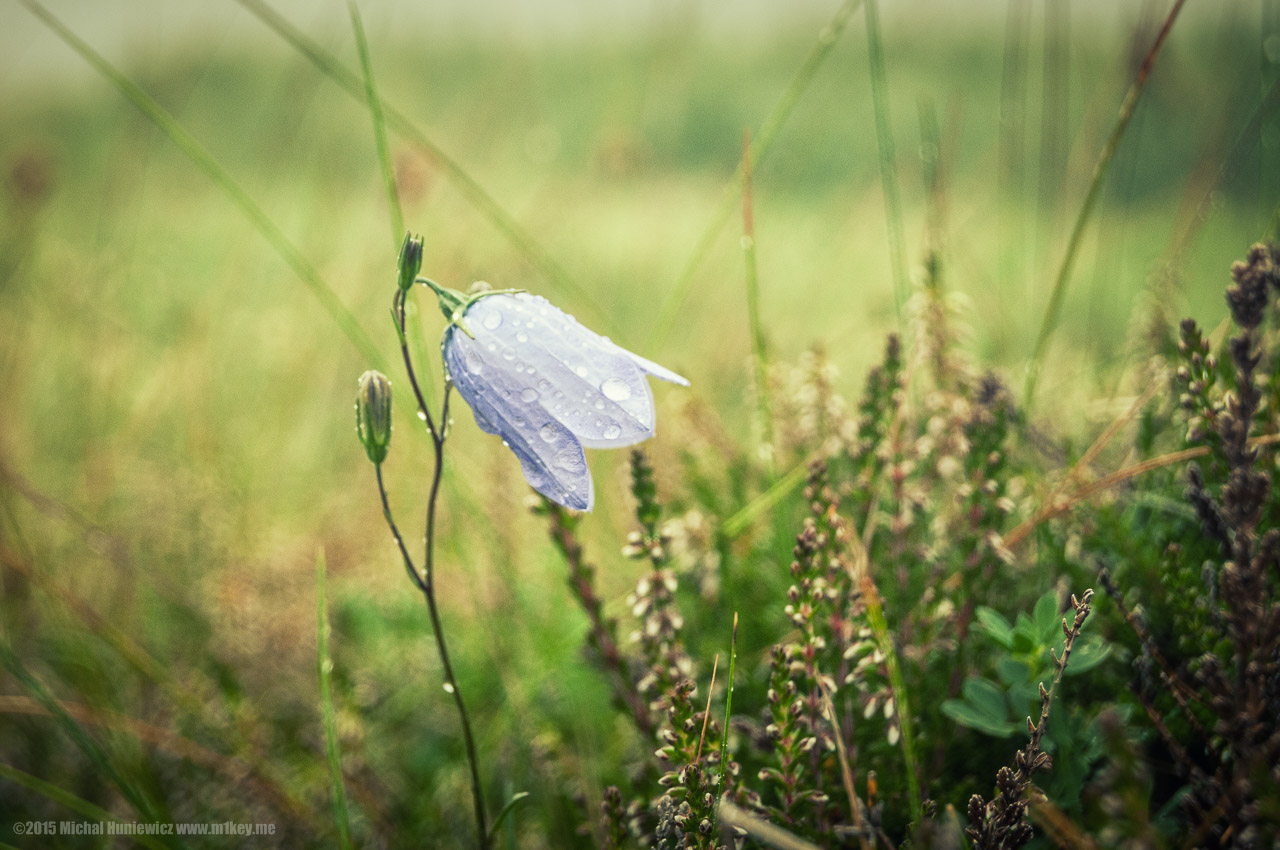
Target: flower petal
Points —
{"points": [[581, 379], [550, 456]]}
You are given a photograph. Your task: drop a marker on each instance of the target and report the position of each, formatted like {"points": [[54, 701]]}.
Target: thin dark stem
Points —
{"points": [[386, 513], [429, 591], [425, 413], [426, 581]]}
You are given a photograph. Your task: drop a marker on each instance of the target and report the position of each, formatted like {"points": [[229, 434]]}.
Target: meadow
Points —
{"points": [[957, 416]]}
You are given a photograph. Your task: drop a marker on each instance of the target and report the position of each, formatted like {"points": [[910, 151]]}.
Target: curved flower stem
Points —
{"points": [[429, 592], [425, 581], [437, 436], [395, 531]]}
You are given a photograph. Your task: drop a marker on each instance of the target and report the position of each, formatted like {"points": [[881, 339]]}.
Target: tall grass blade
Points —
{"points": [[778, 491], [396, 120], [888, 158], [728, 706], [781, 111], [79, 805], [204, 160], [764, 407], [880, 628], [82, 739], [1050, 320], [379, 125], [1055, 105], [325, 663], [1011, 181]]}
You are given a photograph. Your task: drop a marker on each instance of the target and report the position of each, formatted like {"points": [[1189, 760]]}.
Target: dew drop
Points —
{"points": [[550, 432], [616, 389], [492, 320], [544, 385], [492, 347], [474, 364], [529, 394], [559, 395], [448, 687], [508, 354], [612, 431], [522, 337], [599, 404], [569, 461], [582, 371]]}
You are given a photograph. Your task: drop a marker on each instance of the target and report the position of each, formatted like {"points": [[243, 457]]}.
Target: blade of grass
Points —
{"points": [[515, 800], [379, 124], [76, 804], [765, 408], [778, 116], [204, 160], [325, 664], [728, 707], [739, 522], [880, 628], [1056, 295], [73, 730], [888, 158], [396, 120], [394, 208], [1013, 130]]}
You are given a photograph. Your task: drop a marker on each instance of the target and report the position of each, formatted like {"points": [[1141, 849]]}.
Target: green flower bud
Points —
{"points": [[373, 414], [410, 259]]}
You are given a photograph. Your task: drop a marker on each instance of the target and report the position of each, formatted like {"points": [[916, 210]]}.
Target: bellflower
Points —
{"points": [[547, 386]]}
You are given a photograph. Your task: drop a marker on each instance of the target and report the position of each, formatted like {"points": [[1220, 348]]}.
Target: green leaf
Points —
{"points": [[1047, 618], [992, 624], [982, 716], [1088, 653], [1012, 671]]}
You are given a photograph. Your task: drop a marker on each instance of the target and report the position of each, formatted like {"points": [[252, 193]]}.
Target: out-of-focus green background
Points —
{"points": [[176, 442]]}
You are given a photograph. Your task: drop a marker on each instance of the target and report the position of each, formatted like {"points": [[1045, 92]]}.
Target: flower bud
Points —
{"points": [[373, 414], [410, 259]]}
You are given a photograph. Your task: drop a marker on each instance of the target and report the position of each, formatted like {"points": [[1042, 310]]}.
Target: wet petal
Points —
{"points": [[549, 386], [550, 456]]}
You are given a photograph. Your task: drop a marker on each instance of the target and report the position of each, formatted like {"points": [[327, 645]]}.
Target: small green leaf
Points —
{"points": [[1047, 618], [1012, 671], [991, 623], [1088, 653], [986, 698], [966, 715]]}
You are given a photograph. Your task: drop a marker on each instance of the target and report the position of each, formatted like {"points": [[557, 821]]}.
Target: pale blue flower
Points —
{"points": [[548, 386]]}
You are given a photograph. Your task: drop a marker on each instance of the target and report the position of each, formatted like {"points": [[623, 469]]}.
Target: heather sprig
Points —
{"points": [[1000, 824]]}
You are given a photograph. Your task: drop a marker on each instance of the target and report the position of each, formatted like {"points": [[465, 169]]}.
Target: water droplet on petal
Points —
{"points": [[529, 394], [616, 389], [508, 354], [474, 364], [522, 337], [569, 460], [612, 431], [551, 432], [492, 347], [599, 404], [582, 371], [492, 320], [544, 385]]}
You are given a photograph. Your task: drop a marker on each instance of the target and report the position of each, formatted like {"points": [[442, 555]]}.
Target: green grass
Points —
{"points": [[180, 408]]}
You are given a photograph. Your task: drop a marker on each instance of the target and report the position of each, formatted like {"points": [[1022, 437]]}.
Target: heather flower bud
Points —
{"points": [[410, 259], [373, 414]]}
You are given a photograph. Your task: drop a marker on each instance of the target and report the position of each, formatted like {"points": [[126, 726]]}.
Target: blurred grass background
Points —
{"points": [[177, 445]]}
